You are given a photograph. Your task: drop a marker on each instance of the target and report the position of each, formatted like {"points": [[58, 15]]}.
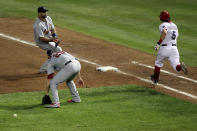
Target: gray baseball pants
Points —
{"points": [[66, 74]]}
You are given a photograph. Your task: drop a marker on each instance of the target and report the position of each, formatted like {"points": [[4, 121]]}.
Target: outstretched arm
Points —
{"points": [[46, 39], [80, 80], [47, 87], [50, 76]]}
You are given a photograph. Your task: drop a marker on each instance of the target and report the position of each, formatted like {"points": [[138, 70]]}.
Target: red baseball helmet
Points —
{"points": [[164, 16]]}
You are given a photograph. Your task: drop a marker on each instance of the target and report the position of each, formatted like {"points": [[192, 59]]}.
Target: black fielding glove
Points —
{"points": [[46, 100]]}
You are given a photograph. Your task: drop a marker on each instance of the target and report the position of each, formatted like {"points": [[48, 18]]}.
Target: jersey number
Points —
{"points": [[173, 35], [58, 54]]}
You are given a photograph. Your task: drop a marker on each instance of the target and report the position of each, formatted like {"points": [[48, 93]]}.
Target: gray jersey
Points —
{"points": [[58, 60], [66, 73], [42, 29]]}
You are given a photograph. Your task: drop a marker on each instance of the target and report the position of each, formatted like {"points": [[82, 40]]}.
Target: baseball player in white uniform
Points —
{"points": [[167, 46], [45, 34], [68, 67]]}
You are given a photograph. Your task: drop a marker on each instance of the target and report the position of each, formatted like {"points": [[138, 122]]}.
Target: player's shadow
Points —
{"points": [[133, 91], [20, 107], [140, 90], [21, 76]]}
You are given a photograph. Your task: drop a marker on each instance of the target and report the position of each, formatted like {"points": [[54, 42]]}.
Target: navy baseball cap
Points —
{"points": [[42, 9]]}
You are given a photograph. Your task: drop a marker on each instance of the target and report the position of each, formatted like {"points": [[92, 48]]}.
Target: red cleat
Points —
{"points": [[70, 101]]}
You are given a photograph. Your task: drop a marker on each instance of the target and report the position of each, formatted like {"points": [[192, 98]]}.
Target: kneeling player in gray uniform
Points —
{"points": [[68, 67], [45, 35]]}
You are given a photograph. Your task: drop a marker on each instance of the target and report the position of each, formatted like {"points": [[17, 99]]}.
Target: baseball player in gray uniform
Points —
{"points": [[45, 34], [167, 46], [68, 67]]}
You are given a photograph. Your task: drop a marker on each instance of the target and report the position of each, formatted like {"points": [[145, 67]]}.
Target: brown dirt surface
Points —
{"points": [[20, 63]]}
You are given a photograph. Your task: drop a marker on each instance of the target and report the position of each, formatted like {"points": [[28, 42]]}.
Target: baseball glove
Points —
{"points": [[46, 100], [57, 41]]}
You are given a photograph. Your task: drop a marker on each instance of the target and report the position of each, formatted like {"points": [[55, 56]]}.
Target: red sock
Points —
{"points": [[156, 72], [157, 69], [178, 67]]}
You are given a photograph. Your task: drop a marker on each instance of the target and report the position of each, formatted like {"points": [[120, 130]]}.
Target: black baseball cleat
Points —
{"points": [[153, 79], [184, 68]]}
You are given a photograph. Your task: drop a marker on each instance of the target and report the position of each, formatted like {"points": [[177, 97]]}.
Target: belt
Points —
{"points": [[166, 45], [67, 62]]}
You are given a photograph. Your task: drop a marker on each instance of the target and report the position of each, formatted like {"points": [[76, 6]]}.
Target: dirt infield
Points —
{"points": [[20, 63]]}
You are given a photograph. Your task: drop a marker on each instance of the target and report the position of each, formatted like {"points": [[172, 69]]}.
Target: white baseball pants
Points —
{"points": [[168, 52]]}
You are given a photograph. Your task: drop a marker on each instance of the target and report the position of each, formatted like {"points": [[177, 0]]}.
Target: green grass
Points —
{"points": [[122, 108], [130, 23]]}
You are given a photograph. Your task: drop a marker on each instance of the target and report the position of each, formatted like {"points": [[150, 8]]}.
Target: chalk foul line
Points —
{"points": [[164, 71], [119, 71]]}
